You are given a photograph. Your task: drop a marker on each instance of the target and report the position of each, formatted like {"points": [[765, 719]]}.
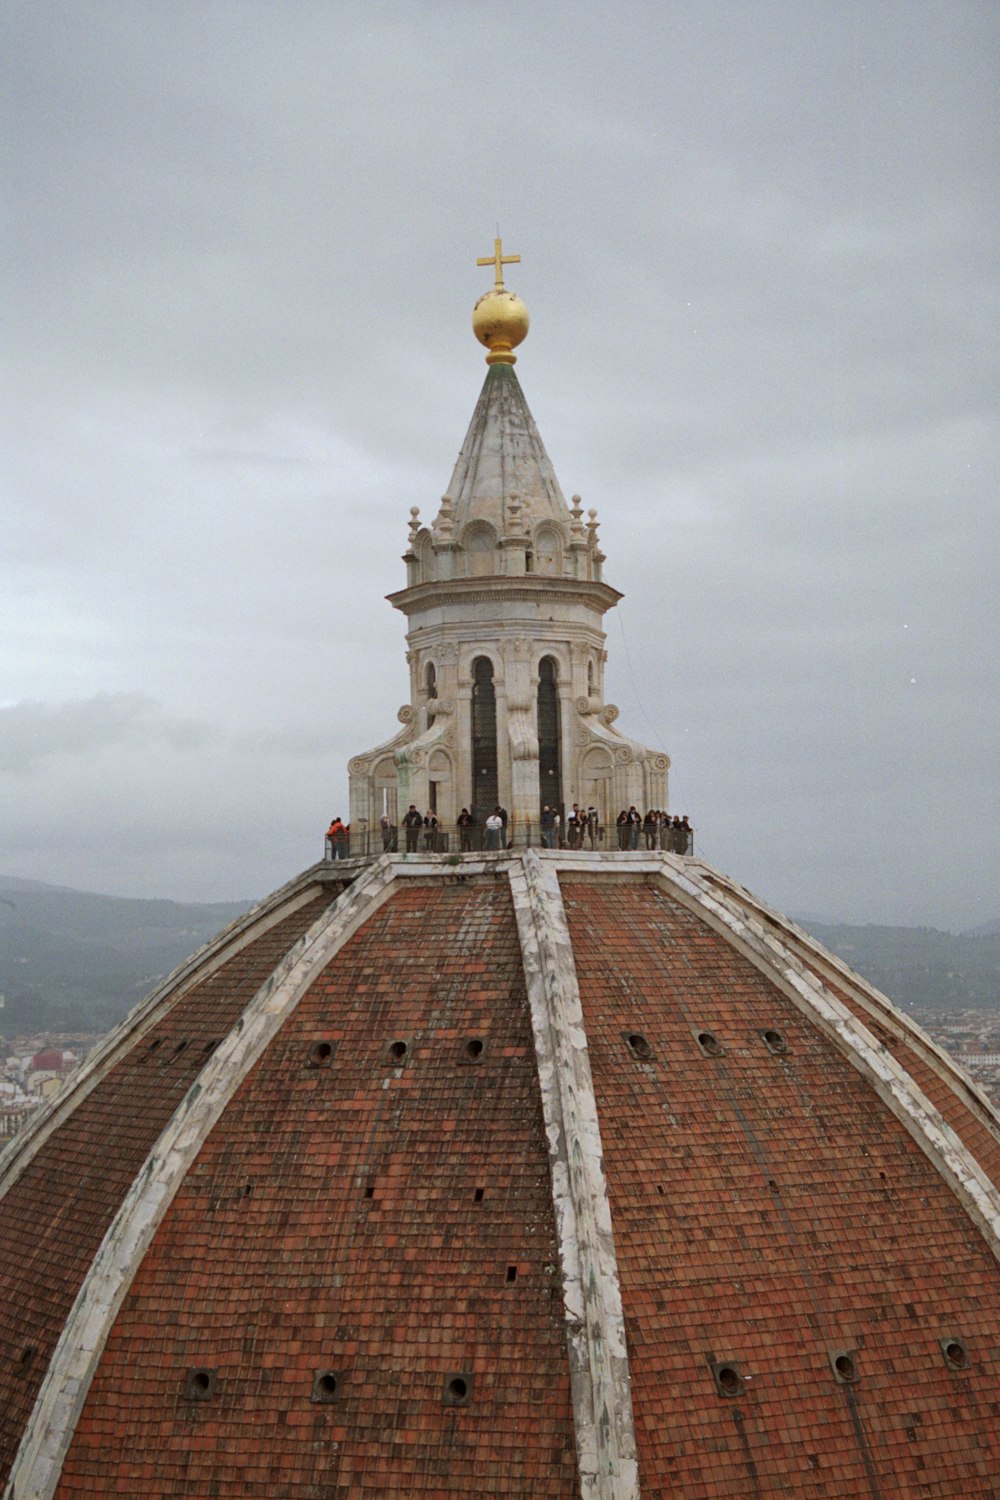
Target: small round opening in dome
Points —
{"points": [[200, 1384]]}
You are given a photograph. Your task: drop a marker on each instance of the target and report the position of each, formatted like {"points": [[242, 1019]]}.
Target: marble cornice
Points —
{"points": [[528, 589]]}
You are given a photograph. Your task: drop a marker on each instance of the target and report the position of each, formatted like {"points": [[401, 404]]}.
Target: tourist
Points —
{"points": [[466, 823], [336, 837], [413, 823], [331, 834], [593, 825], [388, 833]]}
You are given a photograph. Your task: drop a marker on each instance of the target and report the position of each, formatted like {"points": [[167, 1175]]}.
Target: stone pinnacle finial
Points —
{"points": [[499, 318]]}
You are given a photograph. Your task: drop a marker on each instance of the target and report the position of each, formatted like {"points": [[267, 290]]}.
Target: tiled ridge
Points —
{"points": [[598, 1359]]}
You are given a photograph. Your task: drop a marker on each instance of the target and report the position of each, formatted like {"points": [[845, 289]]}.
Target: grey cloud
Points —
{"points": [[759, 251], [31, 733]]}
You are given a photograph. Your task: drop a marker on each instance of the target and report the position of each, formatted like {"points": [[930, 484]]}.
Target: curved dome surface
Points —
{"points": [[539, 1174]]}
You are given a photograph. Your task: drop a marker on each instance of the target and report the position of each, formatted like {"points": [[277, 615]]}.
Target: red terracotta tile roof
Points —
{"points": [[54, 1216], [357, 1287], [769, 1211], [334, 1221]]}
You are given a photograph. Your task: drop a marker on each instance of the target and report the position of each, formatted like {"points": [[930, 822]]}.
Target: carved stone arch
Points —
{"points": [[548, 549], [597, 768], [384, 789], [479, 543], [598, 760], [491, 654], [564, 672], [439, 784], [423, 545]]}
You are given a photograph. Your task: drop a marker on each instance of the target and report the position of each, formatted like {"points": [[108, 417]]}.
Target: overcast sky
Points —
{"points": [[759, 248]]}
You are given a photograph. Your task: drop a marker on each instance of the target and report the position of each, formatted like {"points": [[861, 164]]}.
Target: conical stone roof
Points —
{"points": [[503, 455]]}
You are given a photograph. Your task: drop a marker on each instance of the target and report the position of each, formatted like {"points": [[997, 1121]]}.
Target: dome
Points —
{"points": [[536, 1173]]}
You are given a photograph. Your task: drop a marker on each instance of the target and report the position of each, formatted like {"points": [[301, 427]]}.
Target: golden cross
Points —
{"points": [[498, 260]]}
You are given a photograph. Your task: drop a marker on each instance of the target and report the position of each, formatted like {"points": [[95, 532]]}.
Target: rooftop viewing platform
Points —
{"points": [[428, 835]]}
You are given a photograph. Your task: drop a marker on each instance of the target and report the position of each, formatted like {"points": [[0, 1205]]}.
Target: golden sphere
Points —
{"points": [[500, 321]]}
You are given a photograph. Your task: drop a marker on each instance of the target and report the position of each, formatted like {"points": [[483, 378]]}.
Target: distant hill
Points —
{"points": [[921, 968], [73, 960]]}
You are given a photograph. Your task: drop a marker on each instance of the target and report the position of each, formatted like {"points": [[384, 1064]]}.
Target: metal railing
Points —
{"points": [[368, 842]]}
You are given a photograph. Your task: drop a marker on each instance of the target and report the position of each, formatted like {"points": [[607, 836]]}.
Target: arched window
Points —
{"points": [[549, 769], [597, 772], [548, 550], [485, 793], [590, 679], [439, 783], [430, 683], [425, 555], [479, 539]]}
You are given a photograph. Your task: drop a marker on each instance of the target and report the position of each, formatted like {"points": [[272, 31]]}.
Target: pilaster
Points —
{"points": [[595, 1322]]}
